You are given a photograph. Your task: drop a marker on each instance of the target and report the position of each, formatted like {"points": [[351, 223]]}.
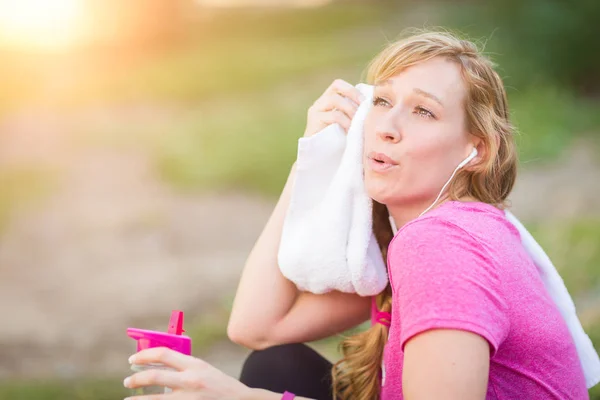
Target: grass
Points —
{"points": [[573, 248], [594, 334], [100, 389], [246, 147]]}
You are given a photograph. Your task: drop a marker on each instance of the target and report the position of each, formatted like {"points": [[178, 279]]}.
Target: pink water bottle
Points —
{"points": [[172, 339]]}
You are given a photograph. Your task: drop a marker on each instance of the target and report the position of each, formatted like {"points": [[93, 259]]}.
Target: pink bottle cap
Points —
{"points": [[173, 338]]}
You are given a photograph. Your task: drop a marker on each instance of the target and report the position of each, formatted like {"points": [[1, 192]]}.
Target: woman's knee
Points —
{"points": [[283, 363], [294, 367]]}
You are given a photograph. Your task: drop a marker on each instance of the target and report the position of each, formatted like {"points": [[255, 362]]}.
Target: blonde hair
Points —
{"points": [[490, 180]]}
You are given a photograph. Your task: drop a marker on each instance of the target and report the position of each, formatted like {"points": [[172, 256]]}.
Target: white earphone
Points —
{"points": [[469, 158]]}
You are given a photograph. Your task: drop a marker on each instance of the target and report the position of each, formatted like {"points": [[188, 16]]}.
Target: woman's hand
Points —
{"points": [[337, 104], [193, 379]]}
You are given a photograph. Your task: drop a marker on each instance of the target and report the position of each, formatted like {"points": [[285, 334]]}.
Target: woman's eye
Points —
{"points": [[378, 100], [423, 112]]}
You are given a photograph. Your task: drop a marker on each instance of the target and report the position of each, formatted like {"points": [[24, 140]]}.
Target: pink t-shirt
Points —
{"points": [[462, 266]]}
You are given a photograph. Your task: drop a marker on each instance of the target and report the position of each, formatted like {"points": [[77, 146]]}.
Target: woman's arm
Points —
{"points": [[268, 309], [263, 296], [454, 312], [446, 364]]}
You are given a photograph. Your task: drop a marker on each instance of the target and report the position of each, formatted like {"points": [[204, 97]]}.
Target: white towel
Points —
{"points": [[327, 242]]}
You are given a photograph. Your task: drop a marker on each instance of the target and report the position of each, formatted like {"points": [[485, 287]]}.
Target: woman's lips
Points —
{"points": [[378, 166], [380, 162]]}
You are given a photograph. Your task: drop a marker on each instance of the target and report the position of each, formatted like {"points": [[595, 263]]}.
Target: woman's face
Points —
{"points": [[415, 134]]}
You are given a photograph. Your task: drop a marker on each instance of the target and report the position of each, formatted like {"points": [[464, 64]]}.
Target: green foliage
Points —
{"points": [[541, 50], [250, 144], [548, 118], [573, 248], [246, 144], [554, 37], [329, 347], [287, 23], [537, 41], [226, 65], [242, 149], [63, 390], [594, 334]]}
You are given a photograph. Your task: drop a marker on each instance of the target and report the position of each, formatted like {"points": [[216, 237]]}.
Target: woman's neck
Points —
{"points": [[403, 214]]}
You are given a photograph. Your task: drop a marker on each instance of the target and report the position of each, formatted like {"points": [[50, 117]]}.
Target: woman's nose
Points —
{"points": [[389, 135], [387, 127], [388, 132]]}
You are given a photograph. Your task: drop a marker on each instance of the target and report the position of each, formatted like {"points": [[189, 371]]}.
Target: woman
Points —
{"points": [[467, 316]]}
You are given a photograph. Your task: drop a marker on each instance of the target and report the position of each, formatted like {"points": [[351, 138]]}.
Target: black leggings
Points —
{"points": [[294, 368]]}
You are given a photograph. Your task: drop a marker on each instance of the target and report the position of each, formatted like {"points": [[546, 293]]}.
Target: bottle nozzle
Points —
{"points": [[176, 323]]}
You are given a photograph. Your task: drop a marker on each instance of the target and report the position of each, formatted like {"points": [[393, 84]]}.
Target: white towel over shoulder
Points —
{"points": [[327, 242]]}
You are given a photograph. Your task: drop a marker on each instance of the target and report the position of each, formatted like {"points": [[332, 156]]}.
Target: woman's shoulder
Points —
{"points": [[475, 219], [456, 239], [456, 227]]}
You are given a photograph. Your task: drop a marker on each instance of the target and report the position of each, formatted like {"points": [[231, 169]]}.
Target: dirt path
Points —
{"points": [[113, 247], [564, 189]]}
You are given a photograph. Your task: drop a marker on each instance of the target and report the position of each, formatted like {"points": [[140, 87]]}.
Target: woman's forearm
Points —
{"points": [[264, 296]]}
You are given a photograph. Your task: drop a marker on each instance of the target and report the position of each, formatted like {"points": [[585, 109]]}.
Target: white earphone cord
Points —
{"points": [[441, 191], [462, 164]]}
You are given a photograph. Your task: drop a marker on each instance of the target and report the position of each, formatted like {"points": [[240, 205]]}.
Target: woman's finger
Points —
{"points": [[335, 116], [337, 101], [347, 90], [156, 377], [168, 357]]}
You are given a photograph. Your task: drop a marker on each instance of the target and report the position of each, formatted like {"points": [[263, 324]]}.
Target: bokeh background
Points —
{"points": [[143, 144]]}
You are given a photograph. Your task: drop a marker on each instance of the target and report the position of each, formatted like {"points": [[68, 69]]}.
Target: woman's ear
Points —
{"points": [[480, 146]]}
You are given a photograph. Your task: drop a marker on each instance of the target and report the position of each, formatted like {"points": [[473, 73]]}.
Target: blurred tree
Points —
{"points": [[558, 37]]}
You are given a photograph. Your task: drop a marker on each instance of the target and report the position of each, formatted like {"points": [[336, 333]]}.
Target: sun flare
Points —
{"points": [[45, 24]]}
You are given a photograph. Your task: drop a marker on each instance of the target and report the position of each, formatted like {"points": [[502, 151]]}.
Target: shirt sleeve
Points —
{"points": [[442, 277]]}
